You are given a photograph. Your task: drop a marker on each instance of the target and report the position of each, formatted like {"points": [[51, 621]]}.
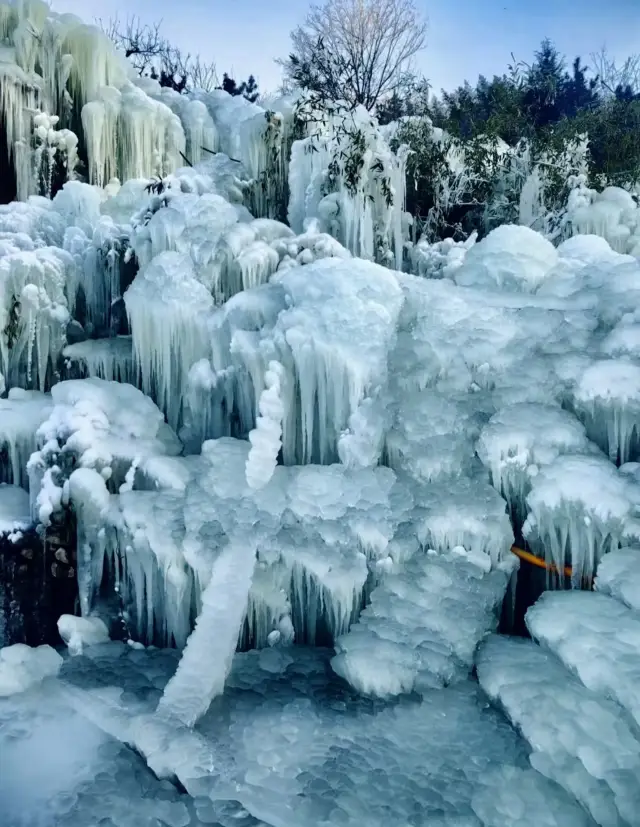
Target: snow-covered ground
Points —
{"points": [[297, 472]]}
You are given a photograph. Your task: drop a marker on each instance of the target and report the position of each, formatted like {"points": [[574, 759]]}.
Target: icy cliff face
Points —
{"points": [[270, 438]]}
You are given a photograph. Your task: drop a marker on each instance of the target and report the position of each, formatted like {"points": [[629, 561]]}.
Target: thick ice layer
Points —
{"points": [[167, 308], [21, 414], [292, 746], [580, 740], [21, 667], [464, 512], [423, 624], [59, 768], [578, 506], [15, 513], [509, 258], [607, 398], [518, 440], [619, 576], [110, 359], [595, 636], [330, 324], [317, 530]]}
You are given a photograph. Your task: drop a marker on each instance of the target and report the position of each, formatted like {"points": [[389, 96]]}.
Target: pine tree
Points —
{"points": [[248, 88]]}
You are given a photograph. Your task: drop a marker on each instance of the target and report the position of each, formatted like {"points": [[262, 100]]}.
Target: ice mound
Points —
{"points": [[578, 507], [21, 414], [78, 632], [595, 636], [15, 513], [619, 576], [464, 512], [511, 258], [607, 399], [330, 325], [623, 341], [580, 740], [518, 440], [21, 667], [423, 624], [110, 359], [431, 435]]}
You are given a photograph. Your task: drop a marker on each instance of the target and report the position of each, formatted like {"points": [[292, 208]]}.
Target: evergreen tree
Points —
{"points": [[248, 88]]}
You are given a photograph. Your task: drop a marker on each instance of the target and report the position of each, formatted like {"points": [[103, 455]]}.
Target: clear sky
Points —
{"points": [[466, 37]]}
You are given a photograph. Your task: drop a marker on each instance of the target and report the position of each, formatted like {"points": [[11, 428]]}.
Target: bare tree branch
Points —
{"points": [[152, 55], [356, 50], [613, 76]]}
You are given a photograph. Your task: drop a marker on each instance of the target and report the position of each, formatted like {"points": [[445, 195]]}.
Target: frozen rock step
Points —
{"points": [[423, 624], [597, 638], [619, 576], [580, 739], [110, 359]]}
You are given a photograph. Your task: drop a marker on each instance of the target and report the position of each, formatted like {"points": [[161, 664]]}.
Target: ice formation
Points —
{"points": [[21, 667], [298, 468]]}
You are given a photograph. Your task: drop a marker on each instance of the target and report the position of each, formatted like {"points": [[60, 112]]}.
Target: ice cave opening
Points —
{"points": [[264, 460]]}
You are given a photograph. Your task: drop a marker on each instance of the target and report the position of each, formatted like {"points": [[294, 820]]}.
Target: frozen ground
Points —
{"points": [[291, 745]]}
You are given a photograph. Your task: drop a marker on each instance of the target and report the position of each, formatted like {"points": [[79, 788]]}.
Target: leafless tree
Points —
{"points": [[152, 54], [356, 50], [613, 75]]}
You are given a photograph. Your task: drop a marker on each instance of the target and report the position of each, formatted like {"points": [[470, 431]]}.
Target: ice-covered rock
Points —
{"points": [[78, 632], [578, 507], [511, 257], [579, 739], [22, 667], [618, 575], [597, 637]]}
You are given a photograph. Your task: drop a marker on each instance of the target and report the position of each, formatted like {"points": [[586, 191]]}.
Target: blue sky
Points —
{"points": [[466, 37]]}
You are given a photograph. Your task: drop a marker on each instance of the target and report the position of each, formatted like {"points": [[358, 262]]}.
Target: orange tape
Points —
{"points": [[536, 561]]}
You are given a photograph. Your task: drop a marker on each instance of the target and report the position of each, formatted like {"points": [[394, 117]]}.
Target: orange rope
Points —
{"points": [[536, 561]]}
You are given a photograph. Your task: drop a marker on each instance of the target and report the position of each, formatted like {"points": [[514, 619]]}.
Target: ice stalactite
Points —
{"points": [[578, 509], [607, 399], [167, 308], [206, 660], [517, 441], [365, 212], [266, 438], [33, 313], [21, 414]]}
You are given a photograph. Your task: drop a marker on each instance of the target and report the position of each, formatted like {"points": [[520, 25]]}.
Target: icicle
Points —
{"points": [[206, 660]]}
